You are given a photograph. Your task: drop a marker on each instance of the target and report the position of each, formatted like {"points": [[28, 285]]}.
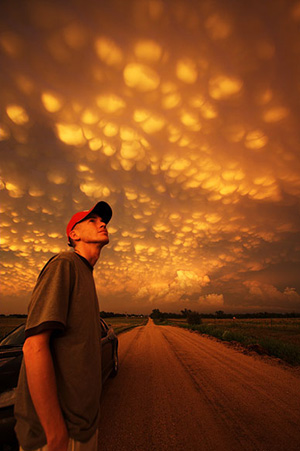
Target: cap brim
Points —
{"points": [[103, 210]]}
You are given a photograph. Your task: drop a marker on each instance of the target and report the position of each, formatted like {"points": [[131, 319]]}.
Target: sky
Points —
{"points": [[183, 116]]}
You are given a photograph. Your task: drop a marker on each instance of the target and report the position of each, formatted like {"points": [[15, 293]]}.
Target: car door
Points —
{"points": [[107, 351]]}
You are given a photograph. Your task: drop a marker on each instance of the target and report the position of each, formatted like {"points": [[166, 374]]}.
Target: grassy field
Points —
{"points": [[119, 324], [122, 324], [278, 337]]}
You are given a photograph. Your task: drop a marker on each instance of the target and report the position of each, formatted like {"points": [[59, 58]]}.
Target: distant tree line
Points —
{"points": [[118, 315], [157, 314], [186, 313], [14, 315], [102, 315]]}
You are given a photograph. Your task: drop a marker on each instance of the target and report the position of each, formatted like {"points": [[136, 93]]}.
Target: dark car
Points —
{"points": [[10, 362]]}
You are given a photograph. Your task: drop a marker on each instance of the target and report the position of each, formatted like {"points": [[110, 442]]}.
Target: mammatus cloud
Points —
{"points": [[191, 135], [188, 281]]}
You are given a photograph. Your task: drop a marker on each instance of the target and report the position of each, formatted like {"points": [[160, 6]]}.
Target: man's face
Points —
{"points": [[92, 230]]}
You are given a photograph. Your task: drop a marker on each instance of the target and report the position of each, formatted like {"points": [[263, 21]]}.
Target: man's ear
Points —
{"points": [[74, 235]]}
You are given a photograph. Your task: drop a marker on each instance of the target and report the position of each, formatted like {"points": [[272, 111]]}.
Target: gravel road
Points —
{"points": [[177, 390]]}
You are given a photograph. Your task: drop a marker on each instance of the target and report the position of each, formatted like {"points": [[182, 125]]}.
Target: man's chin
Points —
{"points": [[105, 241]]}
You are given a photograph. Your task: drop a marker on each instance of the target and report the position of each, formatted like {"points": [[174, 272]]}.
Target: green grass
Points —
{"points": [[123, 324], [277, 337]]}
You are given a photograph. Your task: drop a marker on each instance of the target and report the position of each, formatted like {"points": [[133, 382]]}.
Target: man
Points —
{"points": [[58, 395]]}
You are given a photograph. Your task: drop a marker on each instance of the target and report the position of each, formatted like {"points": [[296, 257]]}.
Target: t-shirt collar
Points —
{"points": [[85, 261]]}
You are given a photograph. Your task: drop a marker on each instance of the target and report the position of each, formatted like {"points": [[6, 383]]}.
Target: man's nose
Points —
{"points": [[101, 224]]}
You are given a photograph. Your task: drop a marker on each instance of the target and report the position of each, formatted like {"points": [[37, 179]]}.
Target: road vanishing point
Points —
{"points": [[178, 390]]}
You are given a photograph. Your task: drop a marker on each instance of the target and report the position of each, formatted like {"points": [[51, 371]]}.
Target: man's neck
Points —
{"points": [[91, 253]]}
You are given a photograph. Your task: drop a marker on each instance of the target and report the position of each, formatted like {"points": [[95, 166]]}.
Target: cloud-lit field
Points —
{"points": [[184, 116]]}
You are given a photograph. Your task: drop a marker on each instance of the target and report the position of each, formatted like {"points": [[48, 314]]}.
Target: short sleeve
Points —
{"points": [[49, 305]]}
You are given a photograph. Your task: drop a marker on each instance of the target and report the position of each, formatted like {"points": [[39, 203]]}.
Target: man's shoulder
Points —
{"points": [[62, 256], [65, 255], [59, 259], [71, 256]]}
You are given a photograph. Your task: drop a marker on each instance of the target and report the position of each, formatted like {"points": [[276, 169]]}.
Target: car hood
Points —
{"points": [[10, 351], [10, 362]]}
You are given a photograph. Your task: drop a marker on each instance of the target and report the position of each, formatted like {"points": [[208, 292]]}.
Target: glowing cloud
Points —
{"points": [[141, 77], [108, 51], [51, 102], [70, 134], [148, 50], [17, 114], [222, 87], [186, 71]]}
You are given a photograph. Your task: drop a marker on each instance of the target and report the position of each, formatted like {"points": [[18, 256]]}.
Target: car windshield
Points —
{"points": [[15, 338]]}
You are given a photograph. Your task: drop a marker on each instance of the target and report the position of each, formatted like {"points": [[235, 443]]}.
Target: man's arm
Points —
{"points": [[42, 386]]}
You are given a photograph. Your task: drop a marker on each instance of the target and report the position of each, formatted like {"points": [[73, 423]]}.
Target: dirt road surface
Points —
{"points": [[177, 390]]}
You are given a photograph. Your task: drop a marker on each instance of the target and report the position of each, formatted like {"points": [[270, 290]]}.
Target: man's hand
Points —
{"points": [[42, 386], [59, 442]]}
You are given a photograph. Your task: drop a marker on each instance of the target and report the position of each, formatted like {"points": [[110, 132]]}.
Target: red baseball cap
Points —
{"points": [[101, 209]]}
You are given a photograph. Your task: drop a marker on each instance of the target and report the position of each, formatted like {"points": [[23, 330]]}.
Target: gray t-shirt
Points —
{"points": [[65, 301]]}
